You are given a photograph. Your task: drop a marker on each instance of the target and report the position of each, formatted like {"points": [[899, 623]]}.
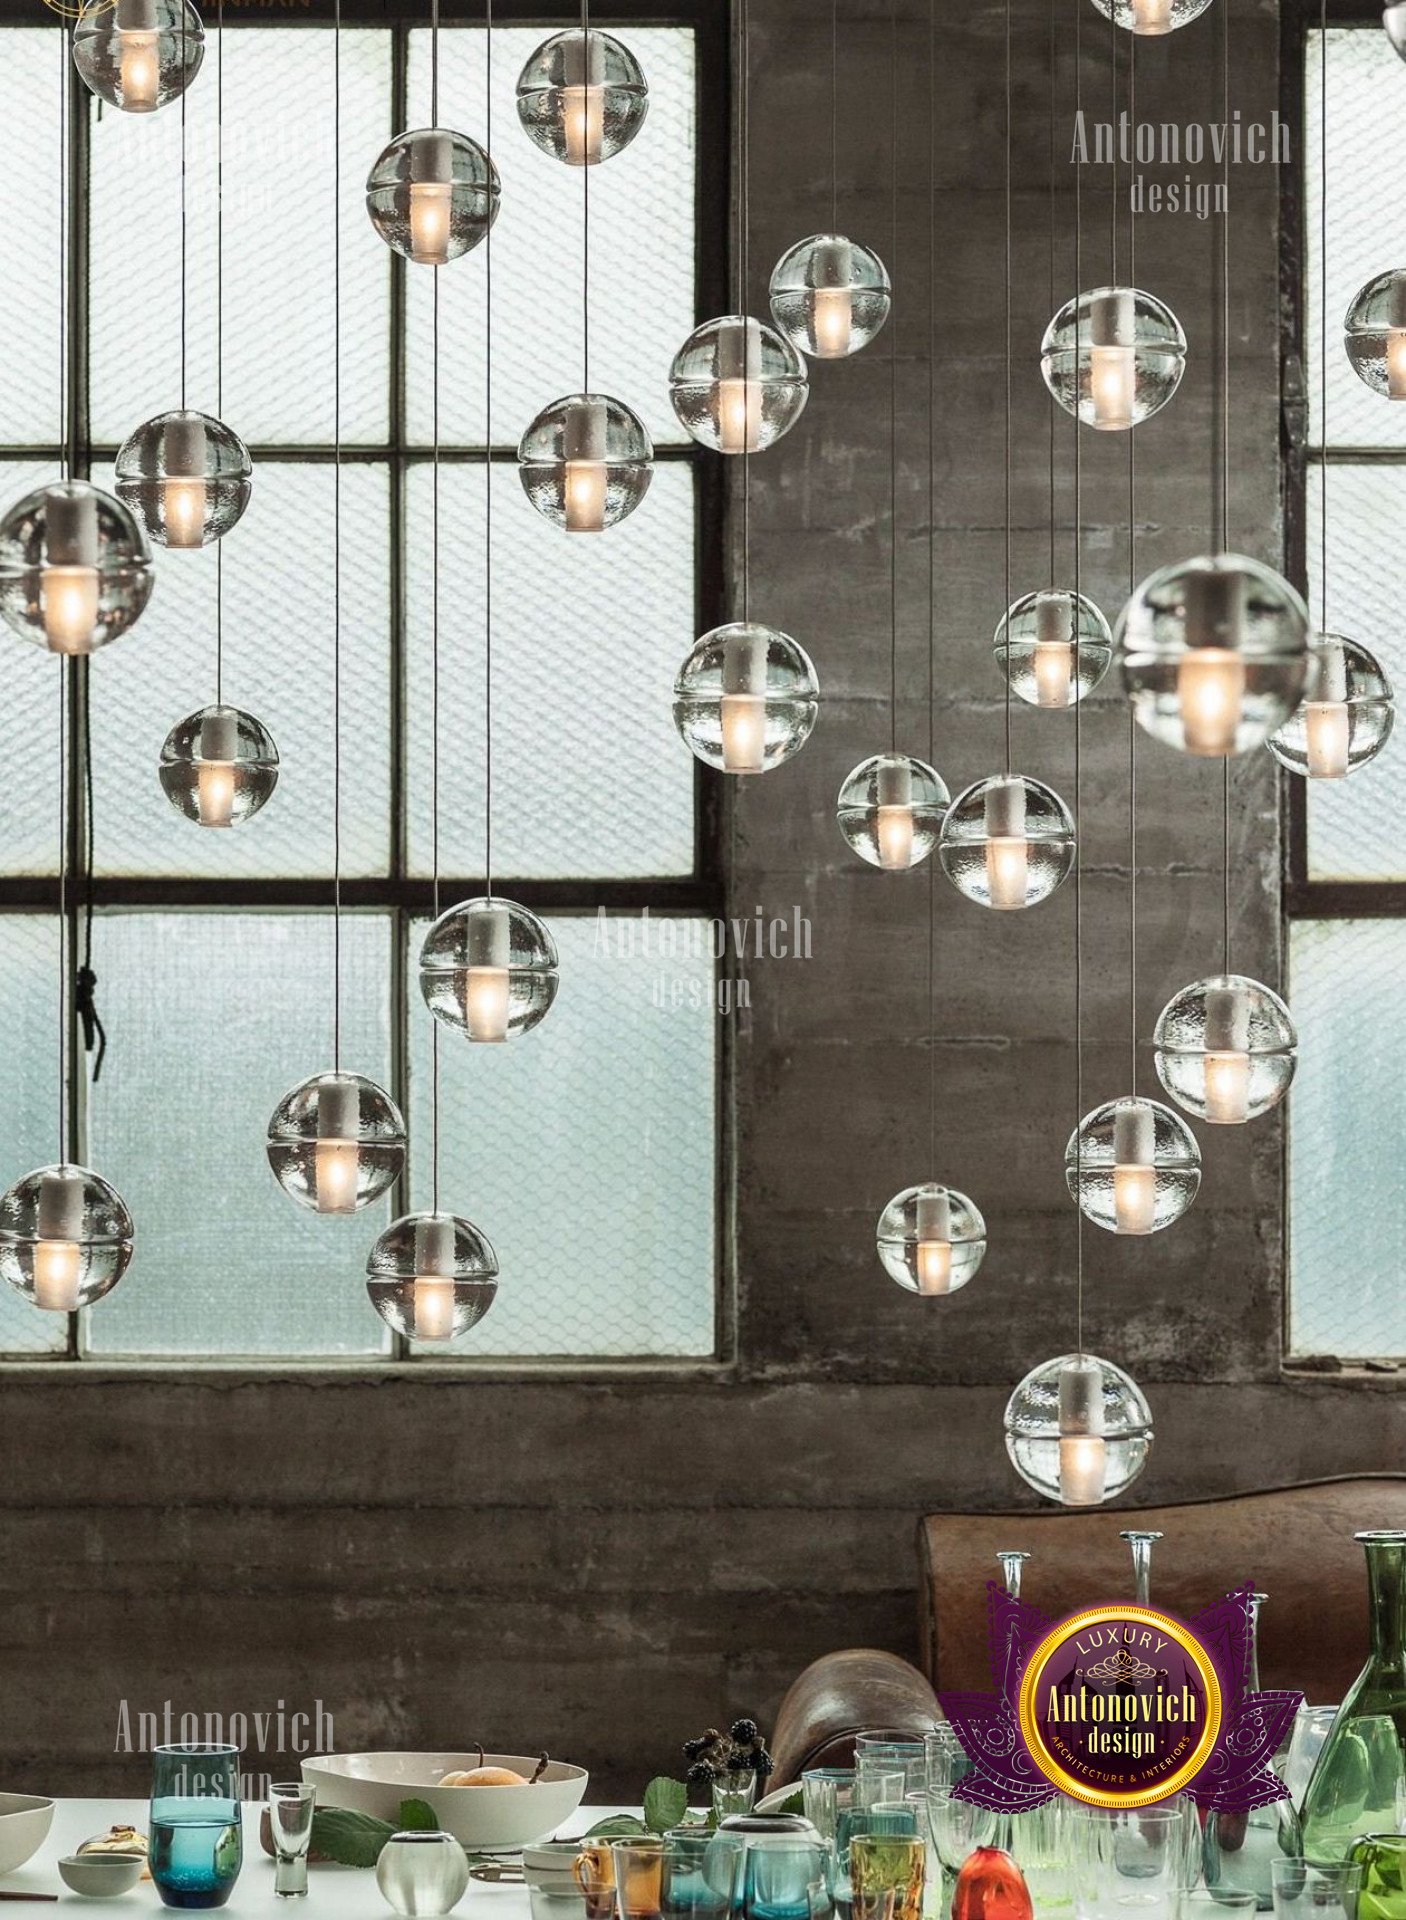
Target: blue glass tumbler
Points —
{"points": [[197, 1837]]}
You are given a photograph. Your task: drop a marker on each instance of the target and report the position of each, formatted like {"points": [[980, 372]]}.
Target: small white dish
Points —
{"points": [[101, 1876], [25, 1819]]}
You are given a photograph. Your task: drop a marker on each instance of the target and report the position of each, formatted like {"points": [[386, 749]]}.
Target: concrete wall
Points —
{"points": [[604, 1566]]}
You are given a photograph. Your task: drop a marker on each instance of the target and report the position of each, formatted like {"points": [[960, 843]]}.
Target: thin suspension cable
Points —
{"points": [[184, 300], [893, 384], [1114, 32], [1007, 438], [63, 913], [834, 116], [1132, 585], [65, 466], [1078, 730], [932, 557], [337, 536], [434, 63], [743, 266], [1323, 315], [1224, 530], [220, 321], [585, 203], [434, 706], [66, 471], [1050, 409], [488, 475]]}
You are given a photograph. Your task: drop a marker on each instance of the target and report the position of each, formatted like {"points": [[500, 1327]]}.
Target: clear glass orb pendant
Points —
{"points": [[65, 1238], [1007, 842], [1132, 1166], [891, 810], [931, 1239], [336, 1142], [1374, 334], [75, 568], [1214, 654], [186, 477], [432, 1276], [1053, 646], [582, 98], [1225, 1049], [1394, 23], [829, 296], [488, 969], [218, 766], [138, 54], [737, 386], [1345, 717], [1113, 357], [1078, 1430], [586, 462], [1152, 17], [432, 195], [746, 698]]}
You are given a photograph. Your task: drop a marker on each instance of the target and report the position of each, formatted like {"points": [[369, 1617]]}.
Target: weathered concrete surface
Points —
{"points": [[607, 1566]]}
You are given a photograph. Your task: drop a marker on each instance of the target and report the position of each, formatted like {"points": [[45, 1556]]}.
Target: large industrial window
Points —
{"points": [[1346, 888], [586, 1150]]}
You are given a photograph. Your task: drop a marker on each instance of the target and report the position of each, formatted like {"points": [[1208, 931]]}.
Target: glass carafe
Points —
{"points": [[1238, 1849], [1359, 1783]]}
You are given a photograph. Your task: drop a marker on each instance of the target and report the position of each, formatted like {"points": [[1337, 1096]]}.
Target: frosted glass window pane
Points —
{"points": [[29, 725], [278, 198], [30, 329], [1347, 1140], [278, 663], [590, 777], [1354, 825], [642, 249], [29, 1124], [211, 1018], [1366, 227], [585, 1150]]}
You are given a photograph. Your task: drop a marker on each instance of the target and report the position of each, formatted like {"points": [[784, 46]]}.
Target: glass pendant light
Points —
{"points": [[1078, 1430], [432, 1276], [746, 698], [138, 54], [75, 568], [1214, 654], [1374, 334], [186, 476], [1053, 646], [829, 296], [931, 1239], [1113, 357], [737, 386], [336, 1142], [1345, 717], [1152, 17], [432, 195], [489, 969], [891, 810], [1132, 1166], [1007, 842], [582, 97], [1394, 22], [585, 462], [218, 766], [65, 1238], [1226, 1049]]}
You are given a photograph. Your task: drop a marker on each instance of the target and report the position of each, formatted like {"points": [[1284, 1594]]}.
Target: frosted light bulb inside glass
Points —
{"points": [[1054, 649], [894, 819], [1083, 1449], [585, 496], [834, 321], [434, 1307], [487, 995], [1396, 363], [215, 792], [184, 511], [1327, 723], [742, 714], [1112, 358], [1007, 848], [1152, 16], [583, 118], [1134, 1174], [141, 71], [1210, 688], [1227, 1056], [934, 1243], [69, 586], [430, 211], [739, 416], [335, 1167], [56, 1275]]}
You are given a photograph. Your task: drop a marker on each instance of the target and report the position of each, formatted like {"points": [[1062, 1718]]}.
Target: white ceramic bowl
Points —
{"points": [[483, 1819], [101, 1876], [25, 1820]]}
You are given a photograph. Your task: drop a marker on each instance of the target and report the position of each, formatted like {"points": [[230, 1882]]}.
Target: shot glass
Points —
{"points": [[291, 1805]]}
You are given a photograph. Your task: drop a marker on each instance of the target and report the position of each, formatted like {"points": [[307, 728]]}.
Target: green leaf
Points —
{"points": [[418, 1816], [617, 1824], [351, 1839], [665, 1804]]}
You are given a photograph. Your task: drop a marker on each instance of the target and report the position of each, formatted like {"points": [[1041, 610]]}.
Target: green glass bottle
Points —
{"points": [[1359, 1784], [1238, 1849]]}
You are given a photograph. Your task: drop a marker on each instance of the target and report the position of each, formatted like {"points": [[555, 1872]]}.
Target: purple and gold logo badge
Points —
{"points": [[1120, 1705]]}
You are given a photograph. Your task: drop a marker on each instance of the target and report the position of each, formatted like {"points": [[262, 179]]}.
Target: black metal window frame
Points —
{"points": [[400, 894]]}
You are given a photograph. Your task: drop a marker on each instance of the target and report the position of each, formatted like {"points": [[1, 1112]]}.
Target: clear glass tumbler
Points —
{"points": [[291, 1806]]}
